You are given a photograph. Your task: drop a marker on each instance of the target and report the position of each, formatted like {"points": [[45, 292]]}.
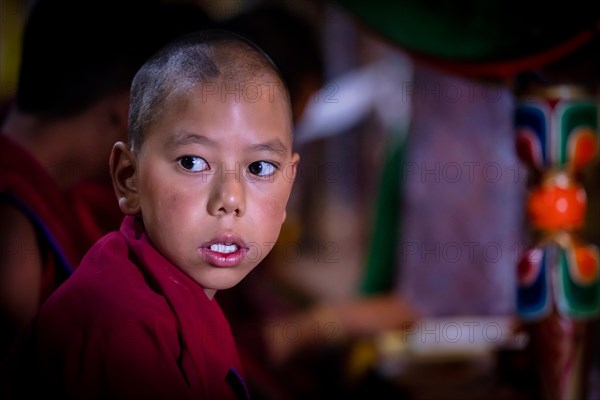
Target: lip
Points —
{"points": [[224, 260]]}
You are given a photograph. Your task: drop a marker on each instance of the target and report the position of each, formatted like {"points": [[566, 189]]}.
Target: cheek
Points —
{"points": [[273, 208], [171, 218], [159, 199], [271, 220], [176, 205]]}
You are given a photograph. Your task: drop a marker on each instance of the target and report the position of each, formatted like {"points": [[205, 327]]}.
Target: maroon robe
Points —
{"points": [[26, 185], [128, 324], [67, 222]]}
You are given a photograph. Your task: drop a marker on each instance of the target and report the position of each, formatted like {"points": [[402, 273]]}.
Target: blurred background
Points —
{"points": [[395, 273]]}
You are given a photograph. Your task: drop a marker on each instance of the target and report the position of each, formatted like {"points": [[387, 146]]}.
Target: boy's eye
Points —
{"points": [[261, 168], [193, 163]]}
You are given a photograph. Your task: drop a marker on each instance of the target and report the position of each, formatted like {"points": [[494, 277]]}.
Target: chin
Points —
{"points": [[223, 284]]}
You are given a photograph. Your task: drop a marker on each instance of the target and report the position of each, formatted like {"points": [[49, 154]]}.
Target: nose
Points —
{"points": [[228, 194]]}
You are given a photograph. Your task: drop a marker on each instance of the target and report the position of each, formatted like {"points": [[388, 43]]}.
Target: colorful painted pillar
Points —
{"points": [[558, 289]]}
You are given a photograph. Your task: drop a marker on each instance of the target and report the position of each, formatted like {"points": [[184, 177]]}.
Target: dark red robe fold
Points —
{"points": [[26, 185], [130, 325], [68, 222]]}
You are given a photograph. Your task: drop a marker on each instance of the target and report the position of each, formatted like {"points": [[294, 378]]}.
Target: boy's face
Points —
{"points": [[214, 175]]}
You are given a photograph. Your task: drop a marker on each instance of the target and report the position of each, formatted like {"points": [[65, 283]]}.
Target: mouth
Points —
{"points": [[224, 248], [224, 251]]}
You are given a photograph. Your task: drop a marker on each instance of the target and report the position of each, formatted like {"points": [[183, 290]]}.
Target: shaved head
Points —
{"points": [[211, 58]]}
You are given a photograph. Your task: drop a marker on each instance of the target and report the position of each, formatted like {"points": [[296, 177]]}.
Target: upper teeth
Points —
{"points": [[223, 248]]}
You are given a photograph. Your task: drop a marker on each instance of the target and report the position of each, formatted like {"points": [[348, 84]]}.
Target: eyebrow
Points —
{"points": [[184, 138], [274, 146]]}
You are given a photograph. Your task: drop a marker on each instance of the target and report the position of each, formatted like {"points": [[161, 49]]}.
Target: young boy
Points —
{"points": [[71, 104], [204, 183]]}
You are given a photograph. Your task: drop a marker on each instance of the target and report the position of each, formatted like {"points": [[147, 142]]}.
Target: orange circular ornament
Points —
{"points": [[558, 203]]}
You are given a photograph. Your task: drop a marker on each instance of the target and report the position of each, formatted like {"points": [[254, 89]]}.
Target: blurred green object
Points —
{"points": [[381, 265], [479, 32]]}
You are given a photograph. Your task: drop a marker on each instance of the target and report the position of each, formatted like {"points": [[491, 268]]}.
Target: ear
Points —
{"points": [[290, 175], [123, 171], [293, 167]]}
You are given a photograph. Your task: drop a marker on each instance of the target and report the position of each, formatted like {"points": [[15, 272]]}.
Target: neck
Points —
{"points": [[210, 293]]}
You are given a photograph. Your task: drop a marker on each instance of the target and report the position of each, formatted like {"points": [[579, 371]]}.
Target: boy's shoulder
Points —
{"points": [[107, 289]]}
